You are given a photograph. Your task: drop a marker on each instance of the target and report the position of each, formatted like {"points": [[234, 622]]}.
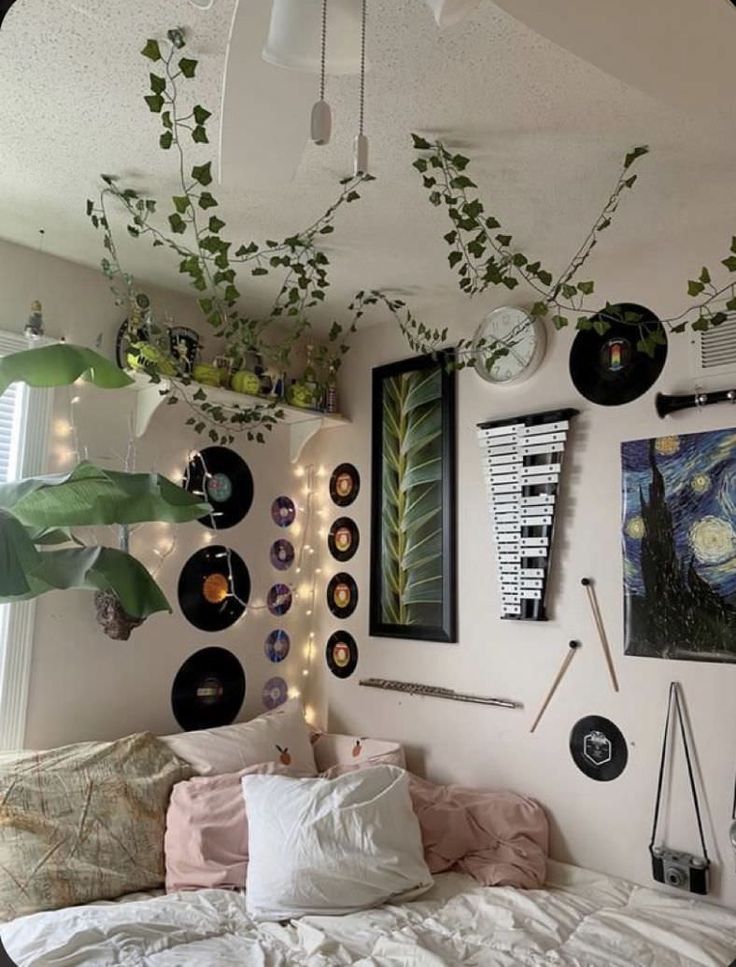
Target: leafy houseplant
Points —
{"points": [[39, 550], [195, 233]]}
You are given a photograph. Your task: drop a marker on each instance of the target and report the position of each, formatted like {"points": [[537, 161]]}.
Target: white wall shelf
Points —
{"points": [[302, 423]]}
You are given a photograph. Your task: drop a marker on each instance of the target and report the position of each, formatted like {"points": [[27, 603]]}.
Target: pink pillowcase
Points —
{"points": [[498, 838], [206, 840]]}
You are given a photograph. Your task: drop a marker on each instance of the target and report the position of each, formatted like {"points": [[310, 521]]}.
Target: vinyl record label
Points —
{"points": [[277, 646], [344, 484], [608, 368], [275, 693], [282, 554], [210, 596], [341, 654], [278, 600], [342, 595], [343, 539], [598, 748], [208, 689], [223, 478], [283, 511]]}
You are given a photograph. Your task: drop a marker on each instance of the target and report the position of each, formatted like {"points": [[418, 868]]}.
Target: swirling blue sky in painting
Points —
{"points": [[699, 470]]}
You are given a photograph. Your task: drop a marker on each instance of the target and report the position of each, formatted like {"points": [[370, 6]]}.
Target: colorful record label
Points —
{"points": [[598, 748], [275, 693], [344, 484], [222, 477], [283, 511], [282, 554], [214, 588], [279, 599], [342, 595], [343, 539], [341, 654], [277, 646], [208, 689]]}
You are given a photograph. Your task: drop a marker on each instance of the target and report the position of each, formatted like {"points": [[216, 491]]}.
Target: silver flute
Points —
{"points": [[434, 691]]}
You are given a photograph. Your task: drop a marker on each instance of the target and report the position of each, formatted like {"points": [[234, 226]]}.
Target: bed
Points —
{"points": [[580, 919]]}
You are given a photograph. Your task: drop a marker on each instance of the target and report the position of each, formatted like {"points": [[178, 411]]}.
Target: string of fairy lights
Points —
{"points": [[308, 530]]}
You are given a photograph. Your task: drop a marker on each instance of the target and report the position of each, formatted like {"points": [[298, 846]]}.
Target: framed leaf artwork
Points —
{"points": [[413, 553]]}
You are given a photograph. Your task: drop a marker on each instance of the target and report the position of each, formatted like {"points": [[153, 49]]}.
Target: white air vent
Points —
{"points": [[714, 351]]}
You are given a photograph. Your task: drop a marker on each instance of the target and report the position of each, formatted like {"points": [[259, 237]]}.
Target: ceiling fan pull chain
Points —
{"points": [[321, 114], [360, 145]]}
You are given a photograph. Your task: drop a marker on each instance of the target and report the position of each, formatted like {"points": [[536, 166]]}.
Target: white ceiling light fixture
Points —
{"points": [[295, 30], [449, 12]]}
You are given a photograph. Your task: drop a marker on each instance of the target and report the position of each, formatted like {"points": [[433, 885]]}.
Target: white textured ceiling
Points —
{"points": [[546, 128]]}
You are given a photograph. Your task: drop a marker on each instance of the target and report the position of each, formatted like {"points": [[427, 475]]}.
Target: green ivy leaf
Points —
{"points": [[704, 275], [730, 263], [201, 114], [539, 309], [188, 67], [181, 203], [584, 323], [560, 322], [694, 288], [167, 121], [586, 287], [202, 174], [731, 305], [155, 103], [421, 144], [601, 326], [206, 201], [199, 135], [453, 258], [420, 164], [216, 224], [544, 277], [462, 181], [178, 225], [718, 318], [492, 223], [634, 154], [701, 324], [152, 50], [166, 140], [503, 240], [158, 83], [568, 290], [259, 270]]}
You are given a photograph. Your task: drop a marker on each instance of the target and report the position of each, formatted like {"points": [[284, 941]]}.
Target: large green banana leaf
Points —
{"points": [[411, 549], [96, 568], [89, 495], [18, 557], [60, 365]]}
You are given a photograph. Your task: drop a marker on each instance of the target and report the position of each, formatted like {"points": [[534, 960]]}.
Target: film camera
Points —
{"points": [[683, 870]]}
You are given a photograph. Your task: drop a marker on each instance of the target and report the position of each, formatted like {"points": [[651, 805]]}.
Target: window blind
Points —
{"points": [[9, 419]]}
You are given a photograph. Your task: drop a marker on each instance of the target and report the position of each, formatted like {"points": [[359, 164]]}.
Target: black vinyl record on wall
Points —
{"points": [[598, 748], [5, 5], [223, 478], [208, 690], [342, 595], [214, 587]]}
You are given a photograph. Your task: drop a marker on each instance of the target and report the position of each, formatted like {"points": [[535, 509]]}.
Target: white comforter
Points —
{"points": [[582, 919]]}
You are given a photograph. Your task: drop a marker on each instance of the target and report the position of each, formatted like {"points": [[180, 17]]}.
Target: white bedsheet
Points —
{"points": [[582, 919]]}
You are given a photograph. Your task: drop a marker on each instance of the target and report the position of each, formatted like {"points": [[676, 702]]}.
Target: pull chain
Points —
{"points": [[360, 145], [321, 125]]}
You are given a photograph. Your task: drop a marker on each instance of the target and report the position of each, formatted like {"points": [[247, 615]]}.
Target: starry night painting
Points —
{"points": [[679, 544]]}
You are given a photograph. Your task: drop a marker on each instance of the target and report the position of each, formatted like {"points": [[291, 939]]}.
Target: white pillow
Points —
{"points": [[278, 736], [331, 845]]}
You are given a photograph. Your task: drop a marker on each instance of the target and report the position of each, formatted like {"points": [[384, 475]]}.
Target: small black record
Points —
{"points": [[609, 369], [207, 596], [343, 539], [342, 595], [341, 654], [598, 748], [208, 690], [221, 477], [344, 484]]}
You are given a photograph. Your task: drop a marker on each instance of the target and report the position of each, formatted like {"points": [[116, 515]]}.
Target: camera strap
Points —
{"points": [[674, 700]]}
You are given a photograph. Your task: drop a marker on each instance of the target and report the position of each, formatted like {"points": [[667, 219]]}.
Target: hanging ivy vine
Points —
{"points": [[195, 233]]}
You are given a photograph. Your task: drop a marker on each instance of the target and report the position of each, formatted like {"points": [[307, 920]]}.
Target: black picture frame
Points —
{"points": [[433, 620]]}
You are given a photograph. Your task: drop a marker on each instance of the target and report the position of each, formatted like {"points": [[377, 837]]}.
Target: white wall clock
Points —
{"points": [[525, 339]]}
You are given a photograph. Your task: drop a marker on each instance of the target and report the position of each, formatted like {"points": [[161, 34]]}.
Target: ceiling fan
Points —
{"points": [[265, 111]]}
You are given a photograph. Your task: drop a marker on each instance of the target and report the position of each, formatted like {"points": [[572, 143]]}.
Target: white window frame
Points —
{"points": [[17, 620]]}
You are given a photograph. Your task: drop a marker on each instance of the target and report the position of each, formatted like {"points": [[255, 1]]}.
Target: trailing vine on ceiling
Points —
{"points": [[483, 253], [195, 233]]}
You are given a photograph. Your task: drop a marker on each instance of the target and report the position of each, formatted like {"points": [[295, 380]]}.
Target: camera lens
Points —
{"points": [[675, 877]]}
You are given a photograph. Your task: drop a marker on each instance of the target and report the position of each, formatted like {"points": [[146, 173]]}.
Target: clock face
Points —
{"points": [[522, 338]]}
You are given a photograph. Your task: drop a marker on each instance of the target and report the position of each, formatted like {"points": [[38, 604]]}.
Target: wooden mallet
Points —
{"points": [[574, 645], [587, 583]]}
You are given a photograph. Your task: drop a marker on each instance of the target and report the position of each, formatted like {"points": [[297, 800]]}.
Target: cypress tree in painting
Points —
{"points": [[680, 547]]}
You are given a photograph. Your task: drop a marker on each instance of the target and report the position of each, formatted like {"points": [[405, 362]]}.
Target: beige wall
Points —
{"points": [[601, 825], [83, 684]]}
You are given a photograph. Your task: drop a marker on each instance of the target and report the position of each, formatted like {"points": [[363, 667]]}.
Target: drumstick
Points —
{"points": [[563, 668], [598, 618]]}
